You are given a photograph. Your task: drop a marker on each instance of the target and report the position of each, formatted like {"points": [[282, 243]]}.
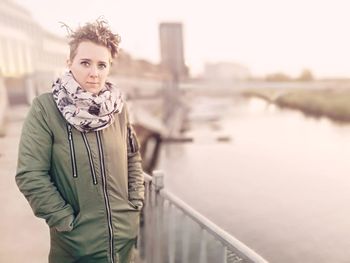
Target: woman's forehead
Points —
{"points": [[93, 52]]}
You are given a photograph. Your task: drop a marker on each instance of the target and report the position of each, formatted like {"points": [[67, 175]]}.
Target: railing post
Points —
{"points": [[224, 254], [158, 182], [148, 224]]}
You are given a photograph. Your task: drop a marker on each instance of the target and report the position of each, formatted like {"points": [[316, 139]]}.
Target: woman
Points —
{"points": [[79, 164]]}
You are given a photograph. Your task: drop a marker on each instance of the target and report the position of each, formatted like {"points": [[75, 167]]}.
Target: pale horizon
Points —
{"points": [[265, 36]]}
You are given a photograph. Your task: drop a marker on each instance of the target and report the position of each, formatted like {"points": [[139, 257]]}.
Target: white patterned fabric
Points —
{"points": [[84, 110]]}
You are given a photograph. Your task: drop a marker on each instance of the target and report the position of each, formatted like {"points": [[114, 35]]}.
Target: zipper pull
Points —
{"points": [[69, 132], [131, 143]]}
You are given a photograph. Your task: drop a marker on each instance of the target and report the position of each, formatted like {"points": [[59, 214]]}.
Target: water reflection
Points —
{"points": [[281, 185]]}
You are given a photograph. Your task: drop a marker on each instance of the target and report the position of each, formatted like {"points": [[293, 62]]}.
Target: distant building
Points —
{"points": [[31, 57], [125, 65], [172, 50], [25, 47], [226, 71]]}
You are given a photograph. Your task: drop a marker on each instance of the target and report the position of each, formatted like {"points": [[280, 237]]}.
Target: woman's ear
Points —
{"points": [[69, 63]]}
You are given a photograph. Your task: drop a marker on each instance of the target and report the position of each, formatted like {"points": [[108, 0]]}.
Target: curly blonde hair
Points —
{"points": [[97, 32]]}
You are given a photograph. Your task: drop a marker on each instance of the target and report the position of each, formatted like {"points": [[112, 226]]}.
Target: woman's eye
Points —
{"points": [[85, 63], [102, 66]]}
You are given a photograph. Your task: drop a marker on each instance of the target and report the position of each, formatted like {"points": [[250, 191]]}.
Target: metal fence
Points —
{"points": [[172, 231]]}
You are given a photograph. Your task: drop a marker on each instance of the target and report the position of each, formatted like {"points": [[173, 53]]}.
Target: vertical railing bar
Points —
{"points": [[203, 247], [171, 237], [185, 239], [143, 235], [224, 254], [152, 248], [158, 226], [165, 230], [146, 222]]}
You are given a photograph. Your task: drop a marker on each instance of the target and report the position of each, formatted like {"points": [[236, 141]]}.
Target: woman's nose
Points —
{"points": [[93, 71]]}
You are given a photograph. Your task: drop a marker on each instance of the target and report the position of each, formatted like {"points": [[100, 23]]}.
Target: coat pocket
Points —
{"points": [[132, 205], [76, 220]]}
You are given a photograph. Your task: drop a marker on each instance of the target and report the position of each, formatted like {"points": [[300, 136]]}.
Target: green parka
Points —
{"points": [[95, 176]]}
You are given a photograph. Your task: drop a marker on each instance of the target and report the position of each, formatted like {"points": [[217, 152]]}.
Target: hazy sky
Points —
{"points": [[264, 35]]}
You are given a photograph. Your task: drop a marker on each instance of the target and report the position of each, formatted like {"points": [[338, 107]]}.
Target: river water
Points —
{"points": [[280, 185]]}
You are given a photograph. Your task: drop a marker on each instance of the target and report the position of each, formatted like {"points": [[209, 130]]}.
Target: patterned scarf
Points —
{"points": [[84, 110]]}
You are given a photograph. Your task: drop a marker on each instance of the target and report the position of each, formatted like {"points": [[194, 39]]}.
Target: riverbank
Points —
{"points": [[331, 103]]}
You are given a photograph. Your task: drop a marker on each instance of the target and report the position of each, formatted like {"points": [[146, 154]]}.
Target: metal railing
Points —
{"points": [[172, 231]]}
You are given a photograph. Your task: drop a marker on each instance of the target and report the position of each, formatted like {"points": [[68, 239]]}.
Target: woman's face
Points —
{"points": [[90, 66]]}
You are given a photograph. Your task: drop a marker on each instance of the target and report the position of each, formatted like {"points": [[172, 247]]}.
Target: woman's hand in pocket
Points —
{"points": [[66, 224]]}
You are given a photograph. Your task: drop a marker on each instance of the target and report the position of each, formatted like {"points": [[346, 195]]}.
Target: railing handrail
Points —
{"points": [[147, 177], [225, 238]]}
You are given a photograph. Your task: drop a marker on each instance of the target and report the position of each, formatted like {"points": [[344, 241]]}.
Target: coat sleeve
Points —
{"points": [[135, 172], [33, 166]]}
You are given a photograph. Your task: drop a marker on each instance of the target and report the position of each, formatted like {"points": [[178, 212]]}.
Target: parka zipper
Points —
{"points": [[92, 166], [131, 141], [105, 194], [72, 151]]}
